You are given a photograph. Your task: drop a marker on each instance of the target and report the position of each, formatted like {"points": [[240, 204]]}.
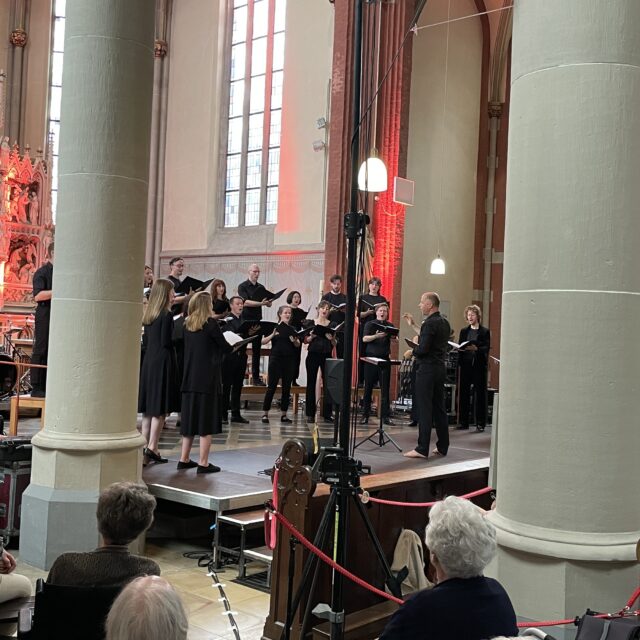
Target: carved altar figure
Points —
{"points": [[34, 208]]}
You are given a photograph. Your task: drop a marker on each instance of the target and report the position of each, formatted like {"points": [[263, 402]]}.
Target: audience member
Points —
{"points": [[461, 543], [125, 510], [148, 608]]}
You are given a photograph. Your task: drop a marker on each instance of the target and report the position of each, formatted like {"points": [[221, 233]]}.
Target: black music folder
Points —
{"points": [[192, 285]]}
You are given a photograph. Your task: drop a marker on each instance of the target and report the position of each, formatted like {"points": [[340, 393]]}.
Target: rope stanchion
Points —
{"points": [[325, 558], [365, 497], [634, 596]]}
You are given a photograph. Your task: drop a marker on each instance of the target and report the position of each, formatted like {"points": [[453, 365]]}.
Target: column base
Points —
{"points": [[548, 588], [54, 521]]}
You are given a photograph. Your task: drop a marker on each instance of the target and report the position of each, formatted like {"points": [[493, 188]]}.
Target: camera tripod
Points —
{"points": [[342, 474]]}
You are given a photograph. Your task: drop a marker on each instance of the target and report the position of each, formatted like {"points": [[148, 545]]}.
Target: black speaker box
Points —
{"points": [[333, 376]]}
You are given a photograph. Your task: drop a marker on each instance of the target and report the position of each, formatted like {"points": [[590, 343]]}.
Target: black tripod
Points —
{"points": [[342, 473], [382, 436]]}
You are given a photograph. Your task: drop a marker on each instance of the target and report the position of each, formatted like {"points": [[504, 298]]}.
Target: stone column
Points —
{"points": [[90, 439], [568, 513], [18, 40]]}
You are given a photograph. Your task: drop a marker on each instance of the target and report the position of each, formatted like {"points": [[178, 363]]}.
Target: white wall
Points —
{"points": [[192, 221], [452, 170], [307, 71]]}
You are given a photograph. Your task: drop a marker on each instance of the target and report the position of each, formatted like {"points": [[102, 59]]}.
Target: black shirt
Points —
{"points": [[233, 323], [434, 339], [256, 292], [372, 300], [283, 347], [336, 298], [43, 281], [381, 347], [298, 316], [322, 344], [221, 306]]}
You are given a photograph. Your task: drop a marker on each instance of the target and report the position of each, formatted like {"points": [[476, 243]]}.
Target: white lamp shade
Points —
{"points": [[437, 267], [372, 176]]}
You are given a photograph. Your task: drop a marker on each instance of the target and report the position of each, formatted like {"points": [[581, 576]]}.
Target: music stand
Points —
{"points": [[385, 370]]}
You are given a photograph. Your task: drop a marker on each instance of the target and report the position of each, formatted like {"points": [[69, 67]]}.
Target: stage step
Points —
{"points": [[264, 555], [367, 623], [244, 520]]}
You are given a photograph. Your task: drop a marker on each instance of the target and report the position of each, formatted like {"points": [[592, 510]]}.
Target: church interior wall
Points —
{"points": [[443, 217], [291, 252], [36, 88]]}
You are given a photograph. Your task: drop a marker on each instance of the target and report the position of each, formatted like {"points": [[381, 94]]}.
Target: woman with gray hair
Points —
{"points": [[463, 604], [148, 608]]}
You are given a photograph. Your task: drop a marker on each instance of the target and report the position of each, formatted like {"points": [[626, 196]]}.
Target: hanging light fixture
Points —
{"points": [[438, 267], [372, 176]]}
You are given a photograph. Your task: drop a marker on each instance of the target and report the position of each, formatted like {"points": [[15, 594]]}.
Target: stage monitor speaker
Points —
{"points": [[333, 375]]}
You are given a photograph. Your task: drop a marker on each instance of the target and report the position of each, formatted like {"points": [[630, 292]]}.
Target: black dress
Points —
{"points": [[202, 381], [158, 392]]}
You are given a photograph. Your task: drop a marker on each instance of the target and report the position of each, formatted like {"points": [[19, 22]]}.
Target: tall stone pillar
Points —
{"points": [[568, 514], [90, 439]]}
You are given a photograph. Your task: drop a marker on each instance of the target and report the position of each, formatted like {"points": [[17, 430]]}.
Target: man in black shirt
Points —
{"points": [[335, 297], [430, 378], [233, 366], [176, 269], [254, 295], [42, 291]]}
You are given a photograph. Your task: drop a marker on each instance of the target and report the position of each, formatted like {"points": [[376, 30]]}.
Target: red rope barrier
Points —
{"points": [[334, 565], [365, 585], [367, 498], [634, 596]]}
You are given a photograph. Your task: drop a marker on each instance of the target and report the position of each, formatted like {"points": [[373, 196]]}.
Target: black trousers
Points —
{"points": [[472, 374], [296, 366], [414, 396], [430, 379], [40, 354], [256, 345], [279, 369], [340, 345], [315, 363], [374, 373], [233, 370]]}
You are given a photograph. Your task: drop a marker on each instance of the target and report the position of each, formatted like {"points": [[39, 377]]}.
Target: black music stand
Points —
{"points": [[385, 370]]}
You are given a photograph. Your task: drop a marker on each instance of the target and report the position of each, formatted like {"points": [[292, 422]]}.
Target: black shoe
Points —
{"points": [[328, 418], [38, 393], [285, 419], [225, 420], [462, 427], [413, 423], [258, 383], [155, 457], [389, 422], [295, 383], [187, 465], [265, 420], [239, 419], [365, 420], [210, 469], [480, 428]]}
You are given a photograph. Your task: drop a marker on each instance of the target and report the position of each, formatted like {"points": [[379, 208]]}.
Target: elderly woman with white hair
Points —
{"points": [[463, 604]]}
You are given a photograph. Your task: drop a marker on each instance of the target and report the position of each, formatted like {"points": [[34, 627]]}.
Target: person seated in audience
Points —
{"points": [[461, 542], [125, 510], [148, 608], [12, 585]]}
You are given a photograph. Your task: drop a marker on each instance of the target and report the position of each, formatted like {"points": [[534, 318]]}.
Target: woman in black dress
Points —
{"points": [[204, 347], [284, 345], [298, 316], [473, 363], [219, 298], [366, 313], [319, 347], [158, 391]]}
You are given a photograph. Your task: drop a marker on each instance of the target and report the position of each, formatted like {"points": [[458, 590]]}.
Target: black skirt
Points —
{"points": [[201, 414]]}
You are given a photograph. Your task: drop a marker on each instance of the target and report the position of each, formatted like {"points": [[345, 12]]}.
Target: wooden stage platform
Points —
{"points": [[239, 485]]}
